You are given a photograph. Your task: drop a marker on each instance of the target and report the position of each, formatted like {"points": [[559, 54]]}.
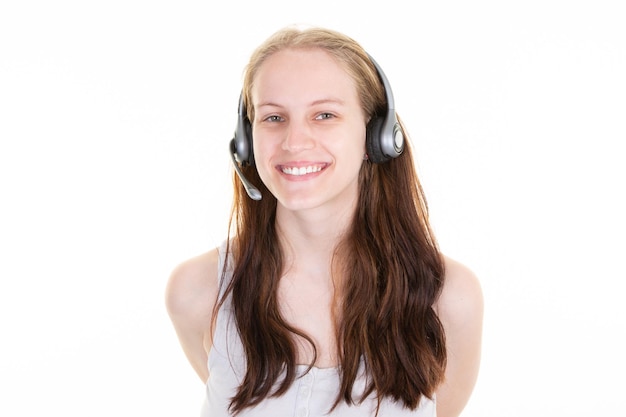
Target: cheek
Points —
{"points": [[262, 153], [259, 147], [356, 143], [352, 151]]}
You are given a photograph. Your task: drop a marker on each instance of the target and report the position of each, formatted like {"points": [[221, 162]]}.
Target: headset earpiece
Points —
{"points": [[241, 145], [240, 148], [372, 141], [384, 137]]}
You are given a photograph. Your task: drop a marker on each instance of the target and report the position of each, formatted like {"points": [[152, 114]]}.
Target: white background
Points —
{"points": [[114, 123]]}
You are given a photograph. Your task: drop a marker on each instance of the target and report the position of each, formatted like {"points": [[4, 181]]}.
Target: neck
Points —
{"points": [[309, 237]]}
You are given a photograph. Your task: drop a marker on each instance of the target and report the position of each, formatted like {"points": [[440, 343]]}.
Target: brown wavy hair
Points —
{"points": [[390, 266]]}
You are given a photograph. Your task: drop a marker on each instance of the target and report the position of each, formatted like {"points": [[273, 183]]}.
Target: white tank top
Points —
{"points": [[311, 395]]}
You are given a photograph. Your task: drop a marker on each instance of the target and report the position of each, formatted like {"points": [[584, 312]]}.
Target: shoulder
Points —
{"points": [[460, 309], [461, 298], [192, 287], [190, 297]]}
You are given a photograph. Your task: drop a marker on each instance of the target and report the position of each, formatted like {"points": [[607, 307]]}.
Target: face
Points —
{"points": [[308, 130]]}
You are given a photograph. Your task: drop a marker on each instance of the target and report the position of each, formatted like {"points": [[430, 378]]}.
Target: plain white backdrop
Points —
{"points": [[114, 123]]}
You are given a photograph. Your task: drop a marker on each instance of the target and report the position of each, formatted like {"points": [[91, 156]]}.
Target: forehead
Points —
{"points": [[302, 72]]}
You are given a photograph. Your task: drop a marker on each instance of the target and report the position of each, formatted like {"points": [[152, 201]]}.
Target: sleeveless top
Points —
{"points": [[312, 394]]}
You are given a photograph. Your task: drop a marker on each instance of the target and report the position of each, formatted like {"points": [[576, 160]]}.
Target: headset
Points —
{"points": [[384, 138]]}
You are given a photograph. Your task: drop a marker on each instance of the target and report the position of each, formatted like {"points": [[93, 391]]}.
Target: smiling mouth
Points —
{"points": [[299, 171]]}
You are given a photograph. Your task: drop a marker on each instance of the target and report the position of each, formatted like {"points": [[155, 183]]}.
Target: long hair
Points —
{"points": [[391, 268]]}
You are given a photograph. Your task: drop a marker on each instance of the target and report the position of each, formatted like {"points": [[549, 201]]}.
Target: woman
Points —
{"points": [[331, 296]]}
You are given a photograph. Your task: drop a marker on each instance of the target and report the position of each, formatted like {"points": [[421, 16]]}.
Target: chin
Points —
{"points": [[293, 203]]}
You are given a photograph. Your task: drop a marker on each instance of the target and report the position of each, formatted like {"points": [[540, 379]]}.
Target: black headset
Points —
{"points": [[384, 138]]}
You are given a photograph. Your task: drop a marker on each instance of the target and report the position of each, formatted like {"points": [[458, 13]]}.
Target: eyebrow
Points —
{"points": [[330, 100], [327, 101]]}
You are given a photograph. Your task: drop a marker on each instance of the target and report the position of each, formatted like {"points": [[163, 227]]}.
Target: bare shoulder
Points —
{"points": [[190, 297], [461, 297], [460, 309], [192, 284]]}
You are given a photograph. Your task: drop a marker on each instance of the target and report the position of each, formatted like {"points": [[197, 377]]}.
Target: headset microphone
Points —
{"points": [[252, 191]]}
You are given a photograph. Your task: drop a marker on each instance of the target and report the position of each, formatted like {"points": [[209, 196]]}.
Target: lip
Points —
{"points": [[302, 170]]}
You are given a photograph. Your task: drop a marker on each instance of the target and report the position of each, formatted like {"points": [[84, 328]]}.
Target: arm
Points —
{"points": [[190, 296], [460, 309]]}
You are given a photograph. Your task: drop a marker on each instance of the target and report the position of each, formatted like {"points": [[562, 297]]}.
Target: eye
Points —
{"points": [[273, 118], [323, 116]]}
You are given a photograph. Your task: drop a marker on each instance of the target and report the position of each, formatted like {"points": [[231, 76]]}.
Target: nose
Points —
{"points": [[298, 137]]}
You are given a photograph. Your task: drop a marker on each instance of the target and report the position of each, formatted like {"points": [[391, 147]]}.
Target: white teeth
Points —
{"points": [[301, 170]]}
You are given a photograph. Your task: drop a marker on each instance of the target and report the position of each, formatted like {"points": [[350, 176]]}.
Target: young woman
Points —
{"points": [[330, 296]]}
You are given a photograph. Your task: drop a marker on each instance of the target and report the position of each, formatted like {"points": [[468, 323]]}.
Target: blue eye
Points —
{"points": [[273, 118], [323, 116]]}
